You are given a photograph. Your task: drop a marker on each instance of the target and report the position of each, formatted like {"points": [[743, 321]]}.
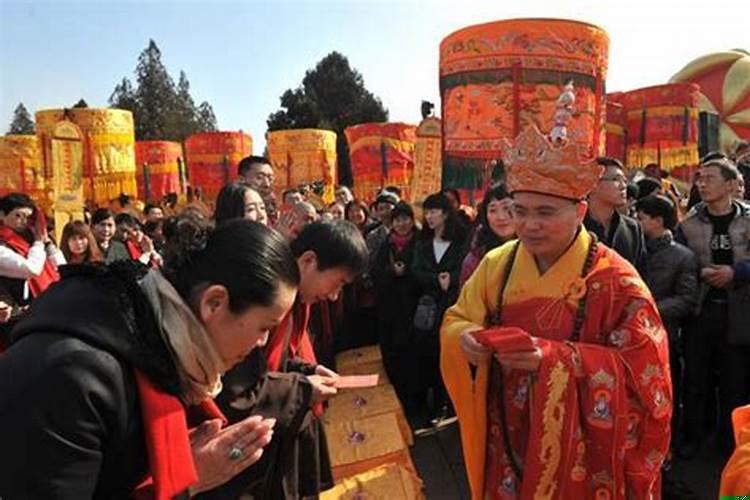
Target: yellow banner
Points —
{"points": [[428, 163], [66, 156]]}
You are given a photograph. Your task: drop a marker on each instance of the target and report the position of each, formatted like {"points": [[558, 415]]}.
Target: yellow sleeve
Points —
{"points": [[478, 297], [735, 479]]}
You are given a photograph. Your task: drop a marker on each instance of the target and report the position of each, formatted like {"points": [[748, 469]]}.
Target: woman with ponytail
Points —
{"points": [[111, 364]]}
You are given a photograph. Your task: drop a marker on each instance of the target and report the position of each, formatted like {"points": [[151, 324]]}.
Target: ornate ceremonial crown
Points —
{"points": [[536, 163]]}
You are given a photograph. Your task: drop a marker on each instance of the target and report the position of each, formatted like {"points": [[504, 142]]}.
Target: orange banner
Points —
{"points": [[162, 173], [213, 157], [303, 156], [382, 154], [662, 127], [497, 79]]}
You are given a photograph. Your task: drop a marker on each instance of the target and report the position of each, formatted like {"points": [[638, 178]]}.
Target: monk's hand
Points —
{"points": [[324, 388], [220, 454], [474, 351], [527, 361]]}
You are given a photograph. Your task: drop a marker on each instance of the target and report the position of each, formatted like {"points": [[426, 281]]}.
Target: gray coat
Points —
{"points": [[695, 232]]}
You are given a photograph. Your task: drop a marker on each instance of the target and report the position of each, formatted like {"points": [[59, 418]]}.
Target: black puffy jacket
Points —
{"points": [[672, 277], [70, 421]]}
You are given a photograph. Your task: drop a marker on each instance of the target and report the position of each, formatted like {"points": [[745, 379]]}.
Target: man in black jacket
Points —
{"points": [[672, 277], [617, 231]]}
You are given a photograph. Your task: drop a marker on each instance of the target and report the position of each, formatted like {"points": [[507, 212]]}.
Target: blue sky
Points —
{"points": [[240, 56]]}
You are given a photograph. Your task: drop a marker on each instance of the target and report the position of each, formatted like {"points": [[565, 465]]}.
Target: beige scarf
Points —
{"points": [[199, 365]]}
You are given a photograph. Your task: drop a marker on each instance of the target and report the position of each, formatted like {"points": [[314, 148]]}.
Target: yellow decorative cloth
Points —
{"points": [[303, 156], [389, 482], [353, 404], [356, 446], [108, 144]]}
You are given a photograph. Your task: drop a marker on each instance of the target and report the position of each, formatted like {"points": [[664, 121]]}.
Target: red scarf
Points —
{"points": [[165, 428], [298, 344], [133, 249], [17, 243], [401, 242]]}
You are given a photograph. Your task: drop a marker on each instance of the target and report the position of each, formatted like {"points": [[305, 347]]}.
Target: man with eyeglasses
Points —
{"points": [[257, 172], [718, 230], [554, 355], [618, 231]]}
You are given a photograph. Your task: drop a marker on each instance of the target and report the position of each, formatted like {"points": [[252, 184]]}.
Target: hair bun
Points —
{"points": [[186, 236]]}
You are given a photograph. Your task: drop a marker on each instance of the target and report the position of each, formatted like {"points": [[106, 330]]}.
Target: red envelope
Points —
{"points": [[505, 339], [356, 381]]}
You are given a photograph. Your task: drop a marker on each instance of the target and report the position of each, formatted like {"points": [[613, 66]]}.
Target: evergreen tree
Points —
{"points": [[123, 97], [332, 96], [22, 122], [155, 96], [207, 118], [81, 104], [184, 115], [161, 109]]}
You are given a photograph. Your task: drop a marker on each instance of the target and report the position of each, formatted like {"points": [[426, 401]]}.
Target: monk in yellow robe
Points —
{"points": [[735, 479], [555, 356]]}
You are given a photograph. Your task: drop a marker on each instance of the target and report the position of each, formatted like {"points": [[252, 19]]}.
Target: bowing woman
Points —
{"points": [[96, 388]]}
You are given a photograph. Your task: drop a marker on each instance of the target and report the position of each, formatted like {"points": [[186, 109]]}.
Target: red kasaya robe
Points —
{"points": [[594, 420]]}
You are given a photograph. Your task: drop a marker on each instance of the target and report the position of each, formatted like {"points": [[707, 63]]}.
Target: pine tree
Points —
{"points": [[123, 97], [22, 122], [183, 119], [207, 118], [332, 96], [81, 104], [161, 109], [155, 96]]}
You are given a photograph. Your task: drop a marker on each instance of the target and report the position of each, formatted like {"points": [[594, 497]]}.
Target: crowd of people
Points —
{"points": [[190, 349]]}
